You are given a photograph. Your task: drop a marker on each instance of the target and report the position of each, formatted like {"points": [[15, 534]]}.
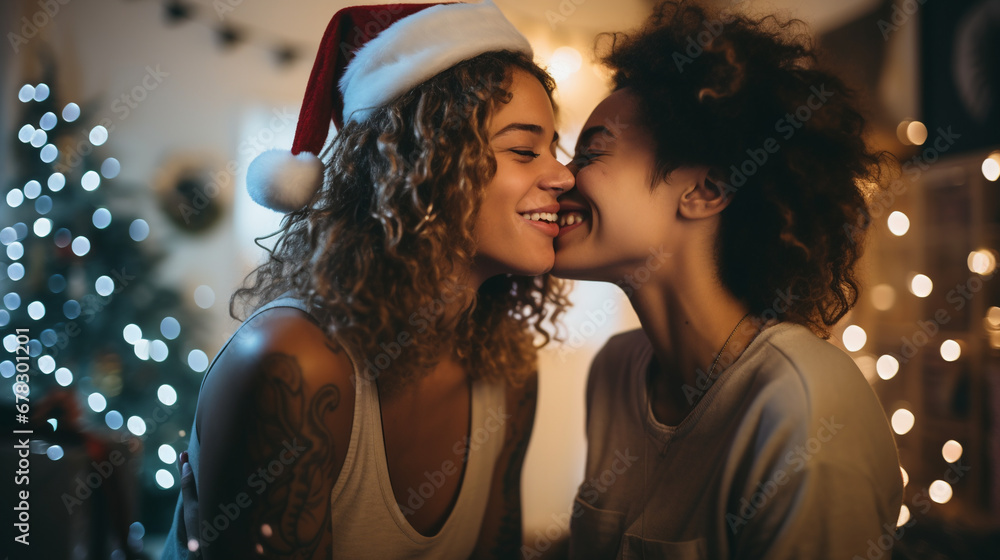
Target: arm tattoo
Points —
{"points": [[293, 448], [508, 543]]}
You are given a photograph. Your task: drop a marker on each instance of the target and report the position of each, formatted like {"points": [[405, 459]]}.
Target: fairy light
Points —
{"points": [[854, 338], [991, 167], [887, 367], [983, 261], [940, 491], [902, 421], [898, 223], [921, 285], [951, 451], [951, 350]]}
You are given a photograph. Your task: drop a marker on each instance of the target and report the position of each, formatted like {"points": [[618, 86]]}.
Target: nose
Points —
{"points": [[558, 179]]}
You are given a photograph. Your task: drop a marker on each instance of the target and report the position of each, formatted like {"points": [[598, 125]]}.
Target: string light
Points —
{"points": [[136, 425], [982, 262], [898, 223], [940, 491], [198, 360], [854, 338], [916, 133], [97, 402], [71, 112], [167, 454], [921, 285], [164, 479], [991, 167], [98, 135], [167, 394], [951, 451], [950, 350], [114, 420], [887, 367], [902, 421], [911, 133], [904, 516]]}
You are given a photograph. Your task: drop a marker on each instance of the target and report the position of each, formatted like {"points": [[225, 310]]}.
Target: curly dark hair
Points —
{"points": [[745, 98], [377, 247]]}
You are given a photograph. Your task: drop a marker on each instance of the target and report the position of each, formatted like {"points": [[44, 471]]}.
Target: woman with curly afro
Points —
{"points": [[723, 187]]}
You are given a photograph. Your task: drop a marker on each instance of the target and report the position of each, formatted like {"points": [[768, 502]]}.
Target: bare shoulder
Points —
{"points": [[281, 348], [275, 419]]}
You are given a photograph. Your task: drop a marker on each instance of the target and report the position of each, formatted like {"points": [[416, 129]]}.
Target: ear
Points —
{"points": [[702, 197]]}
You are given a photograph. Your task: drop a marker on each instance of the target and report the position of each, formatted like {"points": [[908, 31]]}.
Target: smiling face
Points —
{"points": [[613, 222], [516, 221]]}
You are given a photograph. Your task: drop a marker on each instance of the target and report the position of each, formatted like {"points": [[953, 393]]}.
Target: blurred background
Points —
{"points": [[125, 130]]}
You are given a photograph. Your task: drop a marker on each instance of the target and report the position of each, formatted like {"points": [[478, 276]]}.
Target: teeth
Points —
{"points": [[541, 216], [570, 219]]}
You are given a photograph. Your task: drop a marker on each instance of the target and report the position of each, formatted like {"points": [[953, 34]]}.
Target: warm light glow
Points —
{"points": [[883, 297], [564, 62], [983, 261], [904, 516], [902, 421], [887, 367], [854, 338], [951, 451], [940, 491], [899, 224], [916, 133], [921, 285], [950, 350], [901, 132], [993, 317], [906, 477], [991, 167]]}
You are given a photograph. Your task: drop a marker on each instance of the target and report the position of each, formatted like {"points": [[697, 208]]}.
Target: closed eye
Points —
{"points": [[581, 159], [526, 153]]}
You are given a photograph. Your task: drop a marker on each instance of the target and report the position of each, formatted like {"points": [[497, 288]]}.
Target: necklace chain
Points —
{"points": [[721, 352], [645, 454]]}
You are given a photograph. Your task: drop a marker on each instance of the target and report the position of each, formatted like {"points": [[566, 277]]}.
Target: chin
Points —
{"points": [[526, 263]]}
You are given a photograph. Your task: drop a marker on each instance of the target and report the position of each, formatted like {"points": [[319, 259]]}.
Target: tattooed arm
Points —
{"points": [[500, 535], [274, 423]]}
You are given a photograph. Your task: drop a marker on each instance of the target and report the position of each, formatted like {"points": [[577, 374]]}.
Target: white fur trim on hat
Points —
{"points": [[282, 182], [419, 47]]}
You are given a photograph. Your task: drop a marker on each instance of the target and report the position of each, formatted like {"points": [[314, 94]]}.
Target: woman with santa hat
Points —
{"points": [[378, 399]]}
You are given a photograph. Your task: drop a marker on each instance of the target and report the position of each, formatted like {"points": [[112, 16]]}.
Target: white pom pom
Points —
{"points": [[282, 182]]}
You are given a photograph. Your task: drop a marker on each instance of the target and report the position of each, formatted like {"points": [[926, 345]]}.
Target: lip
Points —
{"points": [[550, 229], [573, 207], [551, 208]]}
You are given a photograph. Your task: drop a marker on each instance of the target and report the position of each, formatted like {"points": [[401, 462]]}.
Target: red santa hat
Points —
{"points": [[369, 56]]}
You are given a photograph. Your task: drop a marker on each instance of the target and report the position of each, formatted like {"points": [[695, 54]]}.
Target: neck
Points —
{"points": [[688, 319]]}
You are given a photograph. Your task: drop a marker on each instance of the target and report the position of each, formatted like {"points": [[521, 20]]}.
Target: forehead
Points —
{"points": [[529, 101], [622, 106]]}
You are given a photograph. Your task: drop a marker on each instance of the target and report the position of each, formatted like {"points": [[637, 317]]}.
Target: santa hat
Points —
{"points": [[369, 56]]}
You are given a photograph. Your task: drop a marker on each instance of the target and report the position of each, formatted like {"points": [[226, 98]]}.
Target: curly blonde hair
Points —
{"points": [[377, 248]]}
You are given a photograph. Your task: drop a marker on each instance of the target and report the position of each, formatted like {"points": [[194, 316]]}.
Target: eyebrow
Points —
{"points": [[587, 135], [525, 127]]}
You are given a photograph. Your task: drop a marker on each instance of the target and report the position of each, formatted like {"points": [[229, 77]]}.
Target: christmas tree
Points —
{"points": [[98, 334]]}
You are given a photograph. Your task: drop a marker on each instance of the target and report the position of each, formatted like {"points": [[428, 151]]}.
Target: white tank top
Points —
{"points": [[367, 521]]}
